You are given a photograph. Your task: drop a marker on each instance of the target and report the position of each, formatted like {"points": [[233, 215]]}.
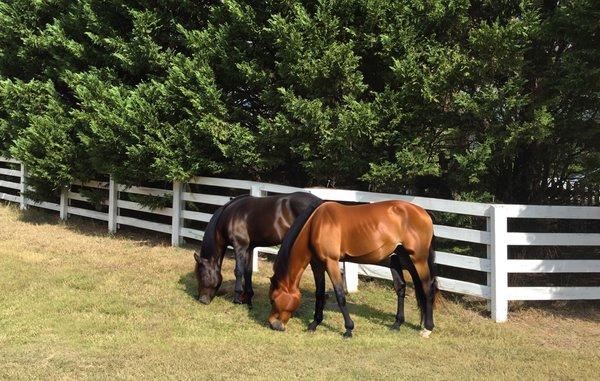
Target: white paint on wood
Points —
{"points": [[553, 239], [177, 220], [553, 265], [143, 224], [87, 213], [64, 203], [463, 261], [553, 293], [10, 185], [553, 211], [93, 184], [10, 172], [146, 191], [113, 197], [462, 287], [206, 198], [350, 277], [44, 205], [10, 197], [196, 216], [462, 234], [130, 205], [192, 233], [451, 206], [225, 183], [7, 160], [499, 271]]}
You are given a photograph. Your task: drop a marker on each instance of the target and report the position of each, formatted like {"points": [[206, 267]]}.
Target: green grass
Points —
{"points": [[76, 303]]}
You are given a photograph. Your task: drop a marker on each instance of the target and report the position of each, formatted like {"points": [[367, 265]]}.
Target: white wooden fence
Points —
{"points": [[496, 237]]}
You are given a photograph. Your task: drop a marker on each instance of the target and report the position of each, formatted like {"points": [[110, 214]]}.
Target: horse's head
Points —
{"points": [[209, 278], [283, 304]]}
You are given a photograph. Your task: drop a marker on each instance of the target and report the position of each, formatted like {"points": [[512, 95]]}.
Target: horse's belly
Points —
{"points": [[370, 255]]}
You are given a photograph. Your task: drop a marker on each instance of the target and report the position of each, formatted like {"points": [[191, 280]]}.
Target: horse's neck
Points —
{"points": [[294, 274]]}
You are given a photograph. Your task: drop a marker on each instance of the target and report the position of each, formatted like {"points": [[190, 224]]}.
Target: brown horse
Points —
{"points": [[244, 223], [368, 233]]}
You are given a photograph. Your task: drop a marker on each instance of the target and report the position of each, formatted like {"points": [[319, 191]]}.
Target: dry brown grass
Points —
{"points": [[76, 303]]}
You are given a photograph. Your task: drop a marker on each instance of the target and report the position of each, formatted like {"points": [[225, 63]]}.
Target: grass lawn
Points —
{"points": [[77, 303]]}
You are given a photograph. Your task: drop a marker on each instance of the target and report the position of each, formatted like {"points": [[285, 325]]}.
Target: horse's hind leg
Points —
{"points": [[427, 282], [248, 290], [400, 287], [333, 269], [318, 270]]}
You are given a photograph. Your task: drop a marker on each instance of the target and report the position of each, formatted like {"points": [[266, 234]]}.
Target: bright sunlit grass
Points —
{"points": [[77, 303]]}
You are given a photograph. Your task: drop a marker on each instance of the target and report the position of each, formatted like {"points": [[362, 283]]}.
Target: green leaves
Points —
{"points": [[482, 100]]}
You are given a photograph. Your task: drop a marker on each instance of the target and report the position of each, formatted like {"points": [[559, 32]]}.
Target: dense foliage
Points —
{"points": [[464, 99]]}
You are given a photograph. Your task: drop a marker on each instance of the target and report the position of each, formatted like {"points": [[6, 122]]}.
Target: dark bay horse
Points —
{"points": [[244, 223], [394, 232]]}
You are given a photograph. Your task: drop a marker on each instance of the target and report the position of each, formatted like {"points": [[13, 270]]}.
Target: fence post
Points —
{"points": [[351, 276], [488, 247], [23, 186], [177, 208], [64, 203], [113, 197], [499, 256], [256, 192]]}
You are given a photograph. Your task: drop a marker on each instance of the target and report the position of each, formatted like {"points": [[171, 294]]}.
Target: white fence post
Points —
{"points": [[23, 186], [113, 196], [256, 192], [351, 277], [499, 259], [488, 247], [64, 203], [177, 208]]}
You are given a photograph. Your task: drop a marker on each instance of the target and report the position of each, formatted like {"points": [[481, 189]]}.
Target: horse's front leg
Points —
{"points": [[240, 268], [318, 270], [333, 269]]}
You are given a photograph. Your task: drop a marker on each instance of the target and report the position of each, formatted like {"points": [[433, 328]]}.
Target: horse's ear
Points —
{"points": [[197, 258]]}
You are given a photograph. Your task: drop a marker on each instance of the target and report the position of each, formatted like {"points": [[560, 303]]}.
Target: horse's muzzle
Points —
{"points": [[204, 299], [277, 325]]}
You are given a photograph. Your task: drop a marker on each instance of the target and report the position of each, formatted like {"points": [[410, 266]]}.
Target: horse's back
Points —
{"points": [[367, 230]]}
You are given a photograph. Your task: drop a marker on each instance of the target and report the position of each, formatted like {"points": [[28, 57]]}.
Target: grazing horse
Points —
{"points": [[369, 234], [245, 222]]}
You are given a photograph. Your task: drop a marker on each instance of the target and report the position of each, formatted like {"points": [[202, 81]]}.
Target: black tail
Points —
{"points": [[432, 270], [208, 248], [281, 262]]}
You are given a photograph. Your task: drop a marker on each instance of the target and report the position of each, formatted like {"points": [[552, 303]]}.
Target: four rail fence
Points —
{"points": [[187, 207]]}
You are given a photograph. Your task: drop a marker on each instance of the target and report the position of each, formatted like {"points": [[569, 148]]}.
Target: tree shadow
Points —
{"points": [[261, 306], [95, 228]]}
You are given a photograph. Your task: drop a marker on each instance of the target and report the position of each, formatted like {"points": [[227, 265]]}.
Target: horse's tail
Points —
{"points": [[208, 247], [435, 290], [283, 255]]}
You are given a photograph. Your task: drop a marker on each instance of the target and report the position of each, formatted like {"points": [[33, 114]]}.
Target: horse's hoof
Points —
{"points": [[425, 333], [237, 301], [347, 334], [395, 327], [312, 326]]}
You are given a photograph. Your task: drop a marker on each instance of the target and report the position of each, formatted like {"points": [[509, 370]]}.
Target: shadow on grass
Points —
{"points": [[95, 228], [261, 305]]}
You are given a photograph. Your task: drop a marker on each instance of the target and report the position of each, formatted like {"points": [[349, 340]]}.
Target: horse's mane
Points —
{"points": [[208, 248], [283, 256]]}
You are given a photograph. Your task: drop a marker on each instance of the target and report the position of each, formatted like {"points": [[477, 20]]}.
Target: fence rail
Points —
{"points": [[496, 237]]}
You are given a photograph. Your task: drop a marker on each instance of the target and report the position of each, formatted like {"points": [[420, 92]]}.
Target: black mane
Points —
{"points": [[208, 248], [283, 256]]}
